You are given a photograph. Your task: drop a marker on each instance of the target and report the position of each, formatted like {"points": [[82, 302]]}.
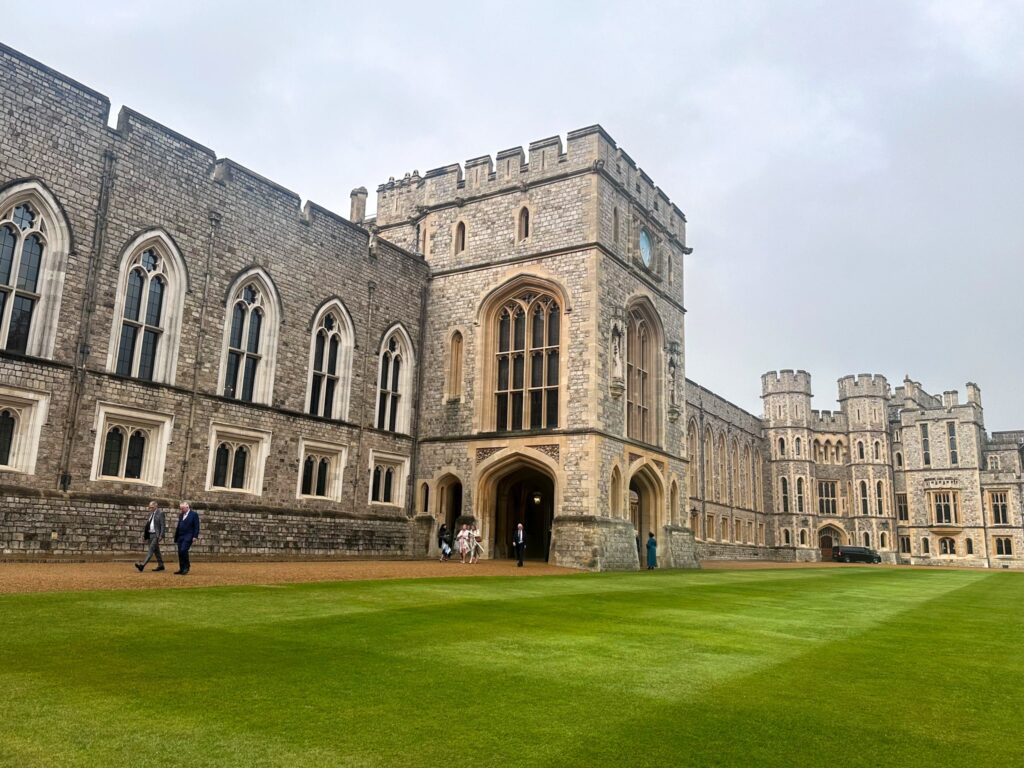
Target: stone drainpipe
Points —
{"points": [[198, 362], [85, 320]]}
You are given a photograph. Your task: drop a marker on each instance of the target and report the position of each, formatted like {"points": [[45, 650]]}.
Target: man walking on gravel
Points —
{"points": [[186, 532], [153, 532]]}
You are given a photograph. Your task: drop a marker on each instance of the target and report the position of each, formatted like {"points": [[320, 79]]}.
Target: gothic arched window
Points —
{"points": [[147, 309], [453, 387], [524, 224], [460, 237], [33, 250], [638, 379], [864, 498], [691, 454], [527, 363], [394, 381], [250, 339], [330, 362], [708, 463]]}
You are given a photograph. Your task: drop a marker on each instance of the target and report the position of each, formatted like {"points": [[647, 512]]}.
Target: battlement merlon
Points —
{"points": [[863, 385], [828, 421], [400, 201], [786, 382]]}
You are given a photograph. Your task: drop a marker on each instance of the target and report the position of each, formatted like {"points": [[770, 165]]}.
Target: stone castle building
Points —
{"points": [[504, 341]]}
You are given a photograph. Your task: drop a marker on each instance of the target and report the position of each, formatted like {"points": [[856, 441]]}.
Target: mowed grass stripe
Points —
{"points": [[509, 672]]}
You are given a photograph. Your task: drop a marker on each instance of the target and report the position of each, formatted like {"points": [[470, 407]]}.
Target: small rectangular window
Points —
{"points": [[902, 512], [826, 497], [926, 453], [954, 456], [999, 505]]}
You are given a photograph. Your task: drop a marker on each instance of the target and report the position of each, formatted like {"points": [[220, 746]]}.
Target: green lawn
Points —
{"points": [[852, 666]]}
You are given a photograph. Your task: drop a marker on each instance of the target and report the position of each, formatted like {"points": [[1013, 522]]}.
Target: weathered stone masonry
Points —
{"points": [[615, 442]]}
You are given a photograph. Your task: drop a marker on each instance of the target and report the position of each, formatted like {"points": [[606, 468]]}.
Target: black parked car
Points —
{"points": [[856, 555]]}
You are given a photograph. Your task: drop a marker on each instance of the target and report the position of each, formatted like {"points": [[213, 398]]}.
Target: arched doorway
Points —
{"points": [[828, 537], [525, 495], [449, 500], [646, 503]]}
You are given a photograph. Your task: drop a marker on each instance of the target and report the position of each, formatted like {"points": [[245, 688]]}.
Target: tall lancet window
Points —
{"points": [[527, 350]]}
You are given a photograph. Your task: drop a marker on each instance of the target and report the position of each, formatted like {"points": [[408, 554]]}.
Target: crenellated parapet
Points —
{"points": [[587, 149], [863, 385], [786, 382], [828, 421]]}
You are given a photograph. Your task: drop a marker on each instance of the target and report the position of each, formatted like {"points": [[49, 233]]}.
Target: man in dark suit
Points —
{"points": [[186, 532], [154, 533], [519, 542]]}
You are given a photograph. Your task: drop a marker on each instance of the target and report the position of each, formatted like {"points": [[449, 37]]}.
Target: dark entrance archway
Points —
{"points": [[828, 538], [525, 495], [646, 502], [449, 499]]}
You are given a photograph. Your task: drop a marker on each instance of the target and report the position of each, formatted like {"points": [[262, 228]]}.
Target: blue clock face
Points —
{"points": [[645, 247]]}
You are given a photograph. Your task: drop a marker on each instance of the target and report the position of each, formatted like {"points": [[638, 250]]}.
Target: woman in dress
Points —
{"points": [[652, 552], [463, 539]]}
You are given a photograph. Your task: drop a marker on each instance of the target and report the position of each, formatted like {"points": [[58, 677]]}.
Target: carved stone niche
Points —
{"points": [[617, 382]]}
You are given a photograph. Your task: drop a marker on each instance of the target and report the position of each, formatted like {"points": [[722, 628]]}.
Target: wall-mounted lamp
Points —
{"points": [[537, 497]]}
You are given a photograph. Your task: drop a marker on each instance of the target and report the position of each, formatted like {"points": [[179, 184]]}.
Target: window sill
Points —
{"points": [[127, 480], [327, 499], [235, 491]]}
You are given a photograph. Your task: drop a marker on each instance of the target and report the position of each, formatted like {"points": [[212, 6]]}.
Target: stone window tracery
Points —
{"points": [[528, 329], [34, 243], [250, 339], [394, 381], [330, 363]]}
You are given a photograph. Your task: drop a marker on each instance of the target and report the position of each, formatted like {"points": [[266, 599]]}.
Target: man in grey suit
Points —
{"points": [[153, 531]]}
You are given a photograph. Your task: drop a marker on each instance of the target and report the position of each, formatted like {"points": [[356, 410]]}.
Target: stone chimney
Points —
{"points": [[950, 398], [358, 210], [973, 393]]}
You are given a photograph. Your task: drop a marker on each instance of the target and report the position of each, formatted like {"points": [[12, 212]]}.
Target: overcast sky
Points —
{"points": [[853, 173]]}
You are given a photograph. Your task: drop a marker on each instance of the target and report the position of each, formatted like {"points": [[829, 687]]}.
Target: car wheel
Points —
{"points": [[846, 559], [878, 560]]}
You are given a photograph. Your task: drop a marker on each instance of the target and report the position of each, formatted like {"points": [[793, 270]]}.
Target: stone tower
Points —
{"points": [[787, 413], [864, 399], [553, 365]]}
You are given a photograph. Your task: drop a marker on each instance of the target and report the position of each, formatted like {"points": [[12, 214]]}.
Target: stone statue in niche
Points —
{"points": [[673, 384], [617, 384]]}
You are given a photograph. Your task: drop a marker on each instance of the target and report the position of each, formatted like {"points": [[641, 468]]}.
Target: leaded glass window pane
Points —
{"points": [[220, 465], [7, 425], [255, 322], [249, 379], [239, 467], [133, 295], [31, 259], [126, 350], [329, 398], [307, 476], [21, 321], [321, 478], [8, 240], [154, 308], [112, 453], [375, 491], [237, 324], [136, 452], [147, 358]]}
